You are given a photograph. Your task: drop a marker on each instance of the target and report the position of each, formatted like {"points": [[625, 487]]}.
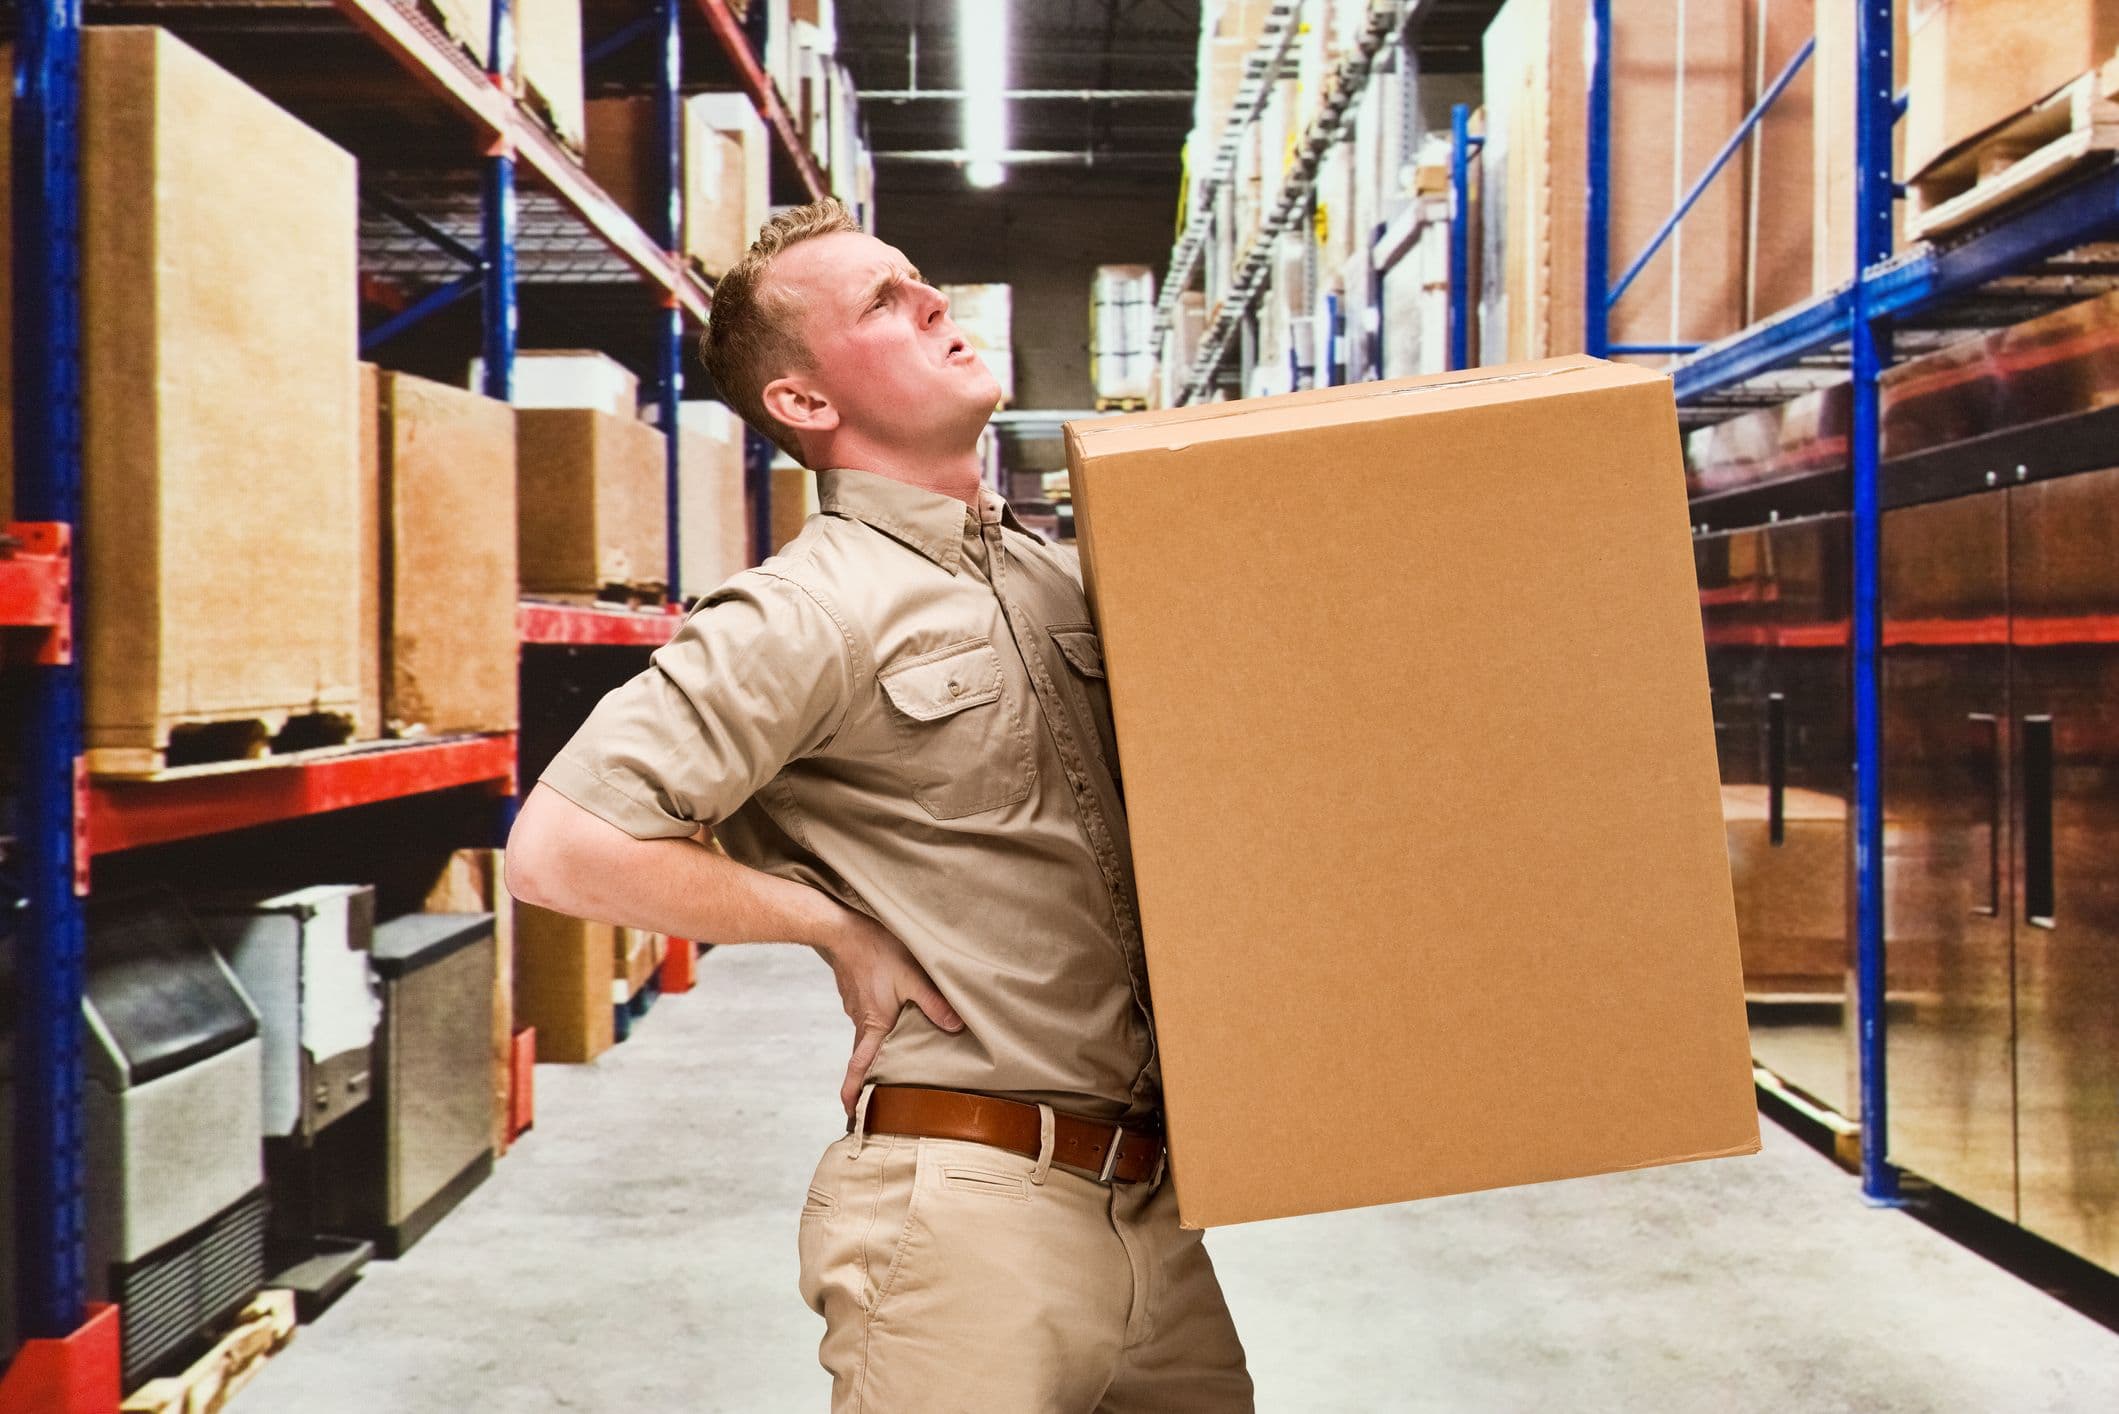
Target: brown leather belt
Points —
{"points": [[1111, 1151]]}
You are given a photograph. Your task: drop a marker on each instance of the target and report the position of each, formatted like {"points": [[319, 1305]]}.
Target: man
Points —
{"points": [[898, 729]]}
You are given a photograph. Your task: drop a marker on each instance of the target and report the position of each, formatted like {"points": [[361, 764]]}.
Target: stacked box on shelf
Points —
{"points": [[986, 315], [592, 479], [1677, 95], [747, 195], [548, 58], [446, 567], [794, 500], [563, 977], [220, 432], [1780, 160], [714, 538], [635, 954], [468, 22], [622, 159], [779, 56], [1121, 321], [1971, 64]]}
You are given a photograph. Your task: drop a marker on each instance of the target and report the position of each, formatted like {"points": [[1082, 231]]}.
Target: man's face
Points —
{"points": [[887, 356]]}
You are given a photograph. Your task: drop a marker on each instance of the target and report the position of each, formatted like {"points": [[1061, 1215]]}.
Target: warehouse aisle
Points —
{"points": [[637, 1253]]}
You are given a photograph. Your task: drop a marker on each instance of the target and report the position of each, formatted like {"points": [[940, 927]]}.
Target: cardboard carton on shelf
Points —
{"points": [[794, 500], [563, 976], [446, 565], [568, 378], [714, 531], [1833, 136], [593, 507], [548, 60], [220, 418], [744, 202], [1971, 64], [1469, 871], [622, 160], [1678, 81]]}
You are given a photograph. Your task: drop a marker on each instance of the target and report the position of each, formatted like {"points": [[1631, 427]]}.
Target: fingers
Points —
{"points": [[866, 1046], [924, 995]]}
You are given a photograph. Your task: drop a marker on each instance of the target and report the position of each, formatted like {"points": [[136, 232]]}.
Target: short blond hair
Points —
{"points": [[751, 336]]}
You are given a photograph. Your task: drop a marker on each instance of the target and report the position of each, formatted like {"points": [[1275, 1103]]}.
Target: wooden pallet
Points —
{"points": [[261, 1331], [1121, 404], [2075, 126], [214, 740]]}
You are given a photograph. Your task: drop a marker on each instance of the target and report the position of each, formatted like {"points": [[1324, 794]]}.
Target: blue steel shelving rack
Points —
{"points": [[1883, 290], [52, 823]]}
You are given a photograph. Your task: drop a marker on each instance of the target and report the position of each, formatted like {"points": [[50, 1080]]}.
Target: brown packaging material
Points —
{"points": [[1467, 920], [1973, 63], [714, 530], [220, 419], [548, 56], [1671, 111], [1780, 160], [593, 501], [563, 977], [371, 585], [635, 954], [622, 160], [469, 23], [474, 881], [448, 547]]}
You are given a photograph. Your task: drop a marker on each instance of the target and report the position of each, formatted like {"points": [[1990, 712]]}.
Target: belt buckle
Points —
{"points": [[1118, 1134]]}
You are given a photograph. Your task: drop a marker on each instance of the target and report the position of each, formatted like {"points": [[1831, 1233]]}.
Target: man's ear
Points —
{"points": [[799, 407]]}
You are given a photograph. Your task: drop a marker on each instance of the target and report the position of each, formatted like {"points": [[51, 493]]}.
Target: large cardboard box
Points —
{"points": [[474, 881], [794, 501], [747, 198], [548, 56], [713, 528], [563, 977], [1466, 917], [593, 502], [220, 418], [1678, 83], [448, 547], [623, 159], [986, 314], [469, 23], [1973, 63]]}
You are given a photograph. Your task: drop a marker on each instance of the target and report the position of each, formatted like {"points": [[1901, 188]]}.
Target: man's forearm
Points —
{"points": [[563, 858]]}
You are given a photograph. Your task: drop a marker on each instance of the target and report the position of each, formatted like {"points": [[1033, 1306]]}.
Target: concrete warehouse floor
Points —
{"points": [[637, 1253]]}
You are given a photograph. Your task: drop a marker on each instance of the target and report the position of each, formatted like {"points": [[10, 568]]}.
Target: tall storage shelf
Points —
{"points": [[1998, 509], [475, 234]]}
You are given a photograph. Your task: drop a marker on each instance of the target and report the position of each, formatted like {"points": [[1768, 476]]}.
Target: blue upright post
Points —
{"points": [[1596, 242], [1461, 146], [498, 218], [52, 1268], [758, 467], [1874, 193], [670, 335]]}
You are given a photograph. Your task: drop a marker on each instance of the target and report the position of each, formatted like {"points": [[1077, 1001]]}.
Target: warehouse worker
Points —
{"points": [[898, 729]]}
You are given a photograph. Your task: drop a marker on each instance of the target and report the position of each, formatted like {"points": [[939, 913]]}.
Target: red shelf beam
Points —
{"points": [[763, 95], [207, 800], [581, 625], [37, 586]]}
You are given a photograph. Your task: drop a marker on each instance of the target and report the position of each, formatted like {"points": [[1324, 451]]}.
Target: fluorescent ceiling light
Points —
{"points": [[982, 49]]}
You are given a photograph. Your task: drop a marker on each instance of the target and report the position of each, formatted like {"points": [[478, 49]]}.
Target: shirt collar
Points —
{"points": [[927, 521]]}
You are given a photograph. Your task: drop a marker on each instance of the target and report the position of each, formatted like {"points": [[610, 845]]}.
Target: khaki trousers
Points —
{"points": [[956, 1278]]}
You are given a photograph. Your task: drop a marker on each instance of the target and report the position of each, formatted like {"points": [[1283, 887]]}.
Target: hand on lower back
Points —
{"points": [[877, 975]]}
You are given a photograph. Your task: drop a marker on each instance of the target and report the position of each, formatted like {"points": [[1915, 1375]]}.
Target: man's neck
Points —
{"points": [[955, 476]]}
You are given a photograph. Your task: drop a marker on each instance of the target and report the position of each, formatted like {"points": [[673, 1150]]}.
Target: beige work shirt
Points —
{"points": [[906, 708]]}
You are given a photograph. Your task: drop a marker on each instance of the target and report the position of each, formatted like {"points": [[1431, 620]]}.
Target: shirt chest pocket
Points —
{"points": [[961, 738]]}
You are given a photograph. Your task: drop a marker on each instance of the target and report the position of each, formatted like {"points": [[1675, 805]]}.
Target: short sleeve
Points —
{"points": [[760, 675]]}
